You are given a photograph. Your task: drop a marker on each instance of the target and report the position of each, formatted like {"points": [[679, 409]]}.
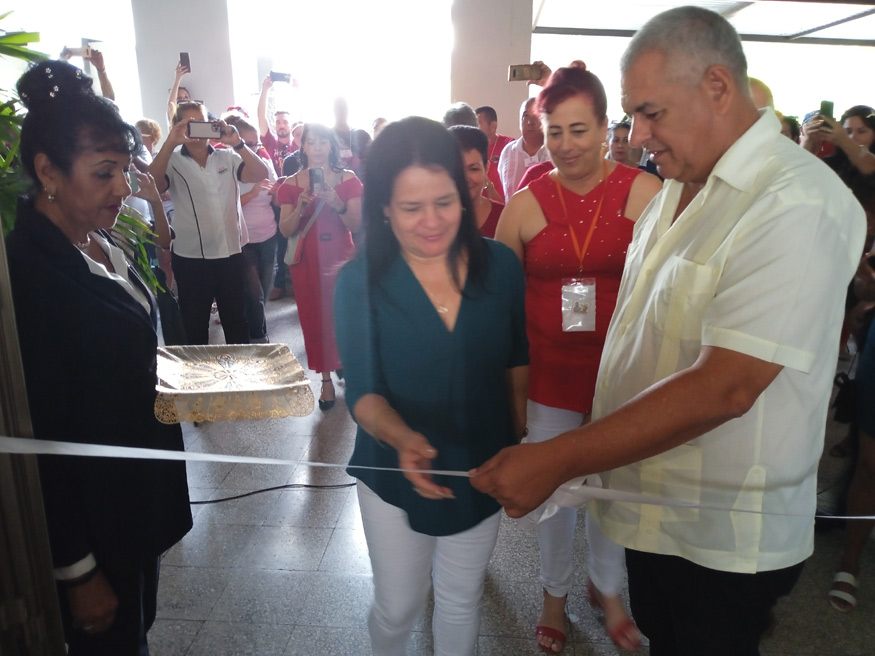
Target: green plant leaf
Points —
{"points": [[19, 38], [18, 52]]}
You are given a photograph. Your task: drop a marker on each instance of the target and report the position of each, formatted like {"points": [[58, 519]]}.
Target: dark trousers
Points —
{"points": [[200, 281], [689, 610], [259, 277], [282, 280], [135, 585]]}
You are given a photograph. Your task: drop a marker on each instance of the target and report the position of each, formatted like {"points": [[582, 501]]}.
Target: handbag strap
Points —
{"points": [[303, 232]]}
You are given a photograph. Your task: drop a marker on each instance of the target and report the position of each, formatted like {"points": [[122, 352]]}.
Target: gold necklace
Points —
{"points": [[440, 307]]}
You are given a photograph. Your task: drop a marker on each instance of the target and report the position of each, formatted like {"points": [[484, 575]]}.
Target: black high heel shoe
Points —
{"points": [[327, 405]]}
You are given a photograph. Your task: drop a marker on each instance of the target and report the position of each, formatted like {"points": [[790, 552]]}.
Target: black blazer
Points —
{"points": [[89, 353]]}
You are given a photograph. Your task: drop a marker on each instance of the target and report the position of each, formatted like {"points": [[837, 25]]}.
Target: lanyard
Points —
{"points": [[581, 253]]}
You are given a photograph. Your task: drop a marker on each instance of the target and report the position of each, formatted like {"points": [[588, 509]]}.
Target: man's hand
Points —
{"points": [[520, 477], [266, 84], [181, 71], [813, 134]]}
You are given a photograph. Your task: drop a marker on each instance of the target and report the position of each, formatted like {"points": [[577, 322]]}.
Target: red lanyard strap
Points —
{"points": [[581, 253]]}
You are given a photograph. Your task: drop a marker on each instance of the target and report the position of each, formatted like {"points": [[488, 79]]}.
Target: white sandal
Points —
{"points": [[847, 597]]}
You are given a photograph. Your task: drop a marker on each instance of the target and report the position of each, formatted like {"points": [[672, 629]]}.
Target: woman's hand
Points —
{"points": [[307, 197], [414, 452], [92, 604], [230, 136], [178, 134], [331, 199], [831, 130], [96, 59], [180, 71], [148, 191]]}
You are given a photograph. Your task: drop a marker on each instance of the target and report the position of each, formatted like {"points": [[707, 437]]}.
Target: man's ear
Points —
{"points": [[720, 87], [46, 172]]}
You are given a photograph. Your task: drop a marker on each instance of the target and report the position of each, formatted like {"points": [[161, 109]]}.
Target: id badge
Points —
{"points": [[578, 305], [346, 154]]}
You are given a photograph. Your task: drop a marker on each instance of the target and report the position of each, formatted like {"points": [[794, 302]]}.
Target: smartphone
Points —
{"points": [[523, 72], [185, 60], [826, 108], [317, 180], [84, 51], [280, 77], [204, 130], [132, 180]]}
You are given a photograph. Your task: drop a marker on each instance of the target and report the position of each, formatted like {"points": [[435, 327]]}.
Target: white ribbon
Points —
{"points": [[573, 494]]}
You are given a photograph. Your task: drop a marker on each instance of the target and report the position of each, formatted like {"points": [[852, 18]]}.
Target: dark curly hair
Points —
{"points": [[862, 186], [64, 116]]}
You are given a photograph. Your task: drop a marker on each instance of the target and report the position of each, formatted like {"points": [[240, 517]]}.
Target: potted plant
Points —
{"points": [[13, 181]]}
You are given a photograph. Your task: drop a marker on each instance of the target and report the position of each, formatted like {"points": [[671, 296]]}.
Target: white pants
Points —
{"points": [[607, 560], [403, 560]]}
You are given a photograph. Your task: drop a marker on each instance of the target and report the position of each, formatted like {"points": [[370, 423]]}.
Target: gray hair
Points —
{"points": [[694, 39], [460, 113]]}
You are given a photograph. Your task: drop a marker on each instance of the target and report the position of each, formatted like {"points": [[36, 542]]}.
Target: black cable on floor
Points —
{"points": [[290, 486]]}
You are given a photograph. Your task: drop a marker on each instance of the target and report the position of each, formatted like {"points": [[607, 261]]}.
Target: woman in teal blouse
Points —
{"points": [[431, 329]]}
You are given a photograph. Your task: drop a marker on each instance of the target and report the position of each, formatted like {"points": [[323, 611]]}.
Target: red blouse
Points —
{"points": [[564, 364]]}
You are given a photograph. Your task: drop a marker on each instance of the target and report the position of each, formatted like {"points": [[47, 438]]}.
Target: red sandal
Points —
{"points": [[625, 633], [556, 634]]}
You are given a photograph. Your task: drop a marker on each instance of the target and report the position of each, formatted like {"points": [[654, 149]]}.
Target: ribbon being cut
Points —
{"points": [[574, 494]]}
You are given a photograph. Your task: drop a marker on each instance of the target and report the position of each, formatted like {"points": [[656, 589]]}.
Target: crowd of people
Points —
{"points": [[654, 303]]}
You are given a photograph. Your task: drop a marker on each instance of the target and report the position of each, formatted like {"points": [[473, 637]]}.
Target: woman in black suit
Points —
{"points": [[86, 326]]}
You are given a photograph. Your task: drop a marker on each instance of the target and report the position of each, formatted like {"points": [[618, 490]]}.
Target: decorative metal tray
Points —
{"points": [[230, 383]]}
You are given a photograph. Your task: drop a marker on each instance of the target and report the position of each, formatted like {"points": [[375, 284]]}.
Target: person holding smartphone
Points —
{"points": [[207, 256], [322, 205]]}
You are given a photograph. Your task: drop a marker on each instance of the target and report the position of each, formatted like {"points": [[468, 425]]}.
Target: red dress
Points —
{"points": [[564, 365], [491, 223], [327, 246]]}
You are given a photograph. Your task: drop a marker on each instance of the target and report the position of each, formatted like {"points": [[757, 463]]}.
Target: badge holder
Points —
{"points": [[578, 305]]}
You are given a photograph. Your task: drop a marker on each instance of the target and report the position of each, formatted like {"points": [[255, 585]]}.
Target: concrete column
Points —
{"points": [[489, 36]]}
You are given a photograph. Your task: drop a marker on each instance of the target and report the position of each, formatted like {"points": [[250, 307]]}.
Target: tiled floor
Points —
{"points": [[286, 572]]}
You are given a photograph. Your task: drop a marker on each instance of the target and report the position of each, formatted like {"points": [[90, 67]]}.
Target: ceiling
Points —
{"points": [[778, 21]]}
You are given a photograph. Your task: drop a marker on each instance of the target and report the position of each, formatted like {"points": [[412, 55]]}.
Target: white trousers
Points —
{"points": [[607, 560], [403, 561]]}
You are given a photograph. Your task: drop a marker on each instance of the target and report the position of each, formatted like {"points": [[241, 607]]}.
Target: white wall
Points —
{"points": [[490, 36], [62, 23], [164, 28]]}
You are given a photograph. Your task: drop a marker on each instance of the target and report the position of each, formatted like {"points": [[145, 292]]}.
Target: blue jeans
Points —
{"points": [[282, 279], [259, 278]]}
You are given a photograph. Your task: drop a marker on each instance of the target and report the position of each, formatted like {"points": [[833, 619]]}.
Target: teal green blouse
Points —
{"points": [[449, 386]]}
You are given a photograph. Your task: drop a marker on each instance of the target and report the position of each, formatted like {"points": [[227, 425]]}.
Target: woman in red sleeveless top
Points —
{"points": [[571, 228]]}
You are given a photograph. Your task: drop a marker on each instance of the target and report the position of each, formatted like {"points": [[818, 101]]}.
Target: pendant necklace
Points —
{"points": [[440, 307]]}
